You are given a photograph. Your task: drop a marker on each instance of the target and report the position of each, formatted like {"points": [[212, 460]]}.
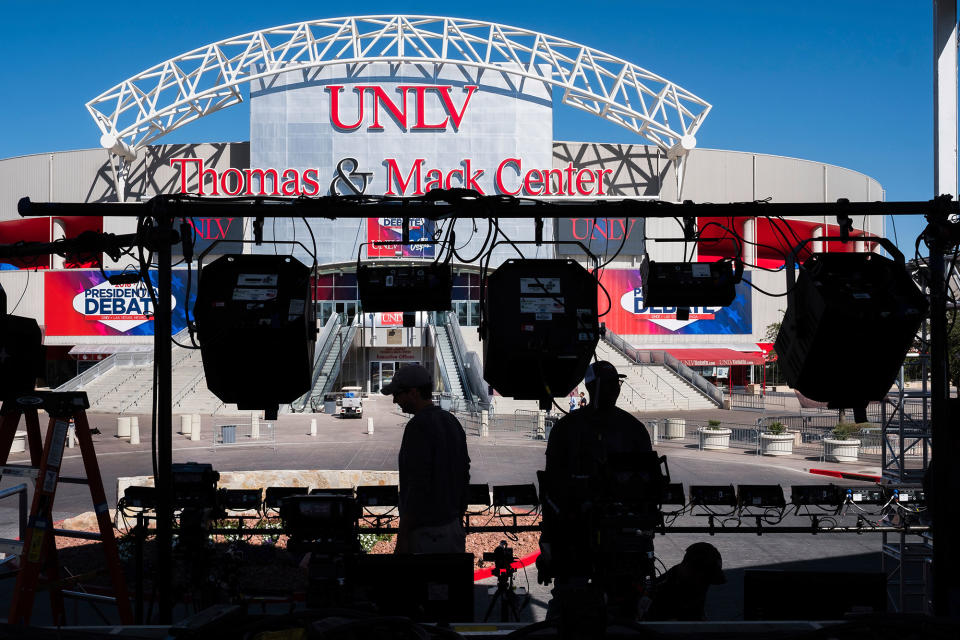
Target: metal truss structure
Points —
{"points": [[158, 100]]}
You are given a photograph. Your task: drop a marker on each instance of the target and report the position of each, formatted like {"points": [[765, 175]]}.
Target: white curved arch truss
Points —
{"points": [[171, 94]]}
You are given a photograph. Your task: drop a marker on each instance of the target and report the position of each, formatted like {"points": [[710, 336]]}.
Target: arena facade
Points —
{"points": [[400, 105]]}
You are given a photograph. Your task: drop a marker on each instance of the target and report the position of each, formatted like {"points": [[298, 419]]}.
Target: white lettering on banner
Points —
{"points": [[666, 317], [121, 306]]}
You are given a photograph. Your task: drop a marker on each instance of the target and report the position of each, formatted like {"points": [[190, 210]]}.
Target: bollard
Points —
{"points": [[134, 423], [195, 426], [484, 424], [313, 427], [123, 427], [255, 427], [71, 436], [185, 422], [135, 430], [369, 426]]}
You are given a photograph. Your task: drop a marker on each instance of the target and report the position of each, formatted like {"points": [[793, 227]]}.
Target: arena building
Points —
{"points": [[401, 105]]}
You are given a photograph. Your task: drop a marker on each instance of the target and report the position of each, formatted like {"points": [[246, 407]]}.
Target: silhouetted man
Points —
{"points": [[434, 468], [584, 447], [681, 593]]}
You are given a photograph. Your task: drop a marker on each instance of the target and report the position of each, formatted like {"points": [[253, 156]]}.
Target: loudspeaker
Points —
{"points": [[540, 328], [850, 319], [257, 330]]}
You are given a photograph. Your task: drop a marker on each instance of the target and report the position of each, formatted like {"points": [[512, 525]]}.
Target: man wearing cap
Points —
{"points": [[580, 446], [681, 593], [434, 468]]}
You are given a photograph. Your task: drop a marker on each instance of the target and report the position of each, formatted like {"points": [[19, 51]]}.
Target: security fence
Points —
{"points": [[742, 400], [522, 423], [243, 431]]}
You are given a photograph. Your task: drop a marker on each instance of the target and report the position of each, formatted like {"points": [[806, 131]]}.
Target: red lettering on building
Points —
{"points": [[381, 101]]}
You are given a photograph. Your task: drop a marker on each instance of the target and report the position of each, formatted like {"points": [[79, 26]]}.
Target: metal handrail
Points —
{"points": [[697, 381], [459, 351], [634, 394], [319, 357]]}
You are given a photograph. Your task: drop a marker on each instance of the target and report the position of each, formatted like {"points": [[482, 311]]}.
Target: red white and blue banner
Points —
{"points": [[390, 230], [84, 303], [629, 316]]}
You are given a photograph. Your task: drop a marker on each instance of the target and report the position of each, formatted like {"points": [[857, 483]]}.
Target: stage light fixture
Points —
{"points": [[140, 497], [416, 287], [478, 494], [378, 495], [865, 495], [682, 285], [905, 494], [540, 328], [326, 517], [761, 496], [257, 329], [713, 495], [816, 494], [850, 319], [194, 485], [21, 353], [512, 495], [241, 499], [673, 494], [274, 495]]}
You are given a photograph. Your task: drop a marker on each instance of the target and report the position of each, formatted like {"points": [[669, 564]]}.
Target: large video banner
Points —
{"points": [[391, 230], [84, 303], [629, 316]]}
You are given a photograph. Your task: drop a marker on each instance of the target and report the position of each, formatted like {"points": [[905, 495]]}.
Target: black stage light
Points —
{"points": [[760, 495], [387, 495], [816, 494], [478, 494], [241, 499], [194, 485], [21, 353], [140, 497], [323, 517], [511, 495], [689, 284], [906, 494], [540, 328], [713, 495], [274, 495], [850, 319], [865, 495], [257, 330], [338, 491], [673, 494], [417, 287]]}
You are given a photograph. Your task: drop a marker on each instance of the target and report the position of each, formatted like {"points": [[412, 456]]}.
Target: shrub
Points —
{"points": [[776, 428], [713, 425], [845, 431]]}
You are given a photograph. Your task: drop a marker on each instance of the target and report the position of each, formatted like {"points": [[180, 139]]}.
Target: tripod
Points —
{"points": [[510, 602]]}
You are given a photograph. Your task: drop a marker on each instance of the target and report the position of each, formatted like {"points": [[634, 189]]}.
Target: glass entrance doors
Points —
{"points": [[381, 373]]}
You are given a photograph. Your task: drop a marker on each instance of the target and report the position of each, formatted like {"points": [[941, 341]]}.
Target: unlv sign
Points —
{"points": [[409, 110], [601, 235]]}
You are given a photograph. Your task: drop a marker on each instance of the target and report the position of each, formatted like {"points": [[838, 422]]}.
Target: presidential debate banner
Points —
{"points": [[390, 230], [84, 303], [629, 316]]}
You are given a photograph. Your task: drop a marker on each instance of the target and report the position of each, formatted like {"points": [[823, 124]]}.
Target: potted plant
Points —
{"points": [[841, 445], [714, 436], [776, 440]]}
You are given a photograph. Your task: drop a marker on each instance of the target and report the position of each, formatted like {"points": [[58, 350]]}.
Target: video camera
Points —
{"points": [[501, 557]]}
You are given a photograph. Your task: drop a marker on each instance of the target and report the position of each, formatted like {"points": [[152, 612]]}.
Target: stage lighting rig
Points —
{"points": [[274, 495], [512, 495], [866, 495], [824, 495], [673, 494], [241, 499], [689, 284], [478, 494], [257, 330], [378, 495], [138, 497], [416, 287], [540, 328], [761, 496], [850, 319], [327, 519], [713, 495]]}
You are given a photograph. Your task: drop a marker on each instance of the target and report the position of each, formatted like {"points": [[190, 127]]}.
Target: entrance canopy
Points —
{"points": [[716, 357]]}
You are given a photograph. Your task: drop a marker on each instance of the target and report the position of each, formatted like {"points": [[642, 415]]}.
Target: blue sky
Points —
{"points": [[845, 82]]}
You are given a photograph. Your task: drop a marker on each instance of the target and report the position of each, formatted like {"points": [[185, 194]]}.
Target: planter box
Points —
{"points": [[676, 429], [714, 438], [776, 444], [840, 450]]}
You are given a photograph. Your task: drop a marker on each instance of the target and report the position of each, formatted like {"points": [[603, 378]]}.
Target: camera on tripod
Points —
{"points": [[501, 557]]}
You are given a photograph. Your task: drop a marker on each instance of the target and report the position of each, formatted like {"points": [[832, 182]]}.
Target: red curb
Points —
{"points": [[846, 475], [481, 574]]}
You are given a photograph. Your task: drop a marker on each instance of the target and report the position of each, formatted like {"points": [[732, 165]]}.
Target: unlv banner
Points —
{"points": [[629, 316], [83, 303], [602, 236]]}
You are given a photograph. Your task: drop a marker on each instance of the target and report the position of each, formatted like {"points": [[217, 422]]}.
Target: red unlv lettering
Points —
{"points": [[600, 228], [399, 110]]}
